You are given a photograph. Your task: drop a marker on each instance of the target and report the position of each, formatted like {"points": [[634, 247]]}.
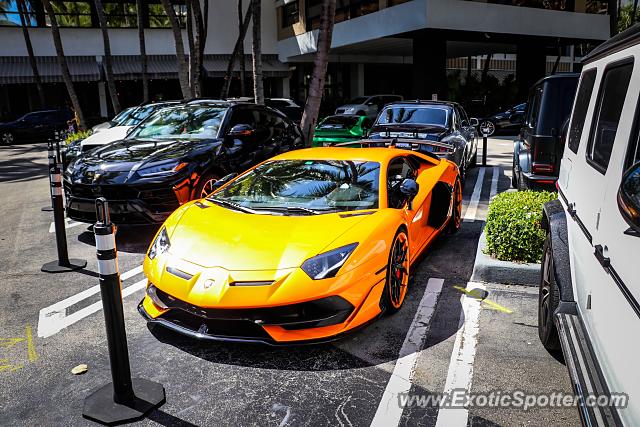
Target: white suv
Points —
{"points": [[368, 106], [590, 276]]}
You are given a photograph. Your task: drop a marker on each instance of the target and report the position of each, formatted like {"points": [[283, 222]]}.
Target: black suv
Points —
{"points": [[538, 149], [34, 126], [176, 155]]}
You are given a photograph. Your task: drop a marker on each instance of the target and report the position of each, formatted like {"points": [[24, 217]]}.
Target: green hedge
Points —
{"points": [[513, 225]]}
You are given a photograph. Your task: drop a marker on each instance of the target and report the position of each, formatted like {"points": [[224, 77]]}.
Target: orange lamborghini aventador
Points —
{"points": [[306, 246]]}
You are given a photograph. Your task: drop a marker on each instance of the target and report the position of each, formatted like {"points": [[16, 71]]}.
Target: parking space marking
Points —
{"points": [[67, 224], [494, 182], [460, 373], [53, 319], [389, 410], [472, 208]]}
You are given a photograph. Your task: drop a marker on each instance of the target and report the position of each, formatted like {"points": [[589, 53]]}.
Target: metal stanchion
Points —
{"points": [[484, 149], [124, 399], [63, 263], [52, 163]]}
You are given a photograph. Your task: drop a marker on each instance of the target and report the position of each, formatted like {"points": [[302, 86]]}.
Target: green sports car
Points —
{"points": [[340, 128]]}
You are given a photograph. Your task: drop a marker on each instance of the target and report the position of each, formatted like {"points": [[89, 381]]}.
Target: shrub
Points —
{"points": [[82, 134], [513, 225]]}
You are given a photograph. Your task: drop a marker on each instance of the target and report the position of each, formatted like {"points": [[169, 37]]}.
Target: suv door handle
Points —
{"points": [[605, 262]]}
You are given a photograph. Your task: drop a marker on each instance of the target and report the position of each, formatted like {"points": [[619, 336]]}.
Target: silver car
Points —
{"points": [[367, 105]]}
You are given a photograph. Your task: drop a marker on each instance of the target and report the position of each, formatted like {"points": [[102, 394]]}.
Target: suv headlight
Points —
{"points": [[327, 264], [160, 245], [165, 168]]}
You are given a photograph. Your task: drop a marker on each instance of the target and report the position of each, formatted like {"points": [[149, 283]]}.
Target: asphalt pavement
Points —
{"points": [[439, 341]]}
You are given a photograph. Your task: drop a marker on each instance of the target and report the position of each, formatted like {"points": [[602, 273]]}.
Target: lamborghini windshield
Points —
{"points": [[433, 115], [299, 187], [181, 122]]}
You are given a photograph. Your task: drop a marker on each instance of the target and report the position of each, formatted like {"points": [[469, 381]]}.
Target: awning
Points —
{"points": [[158, 67], [16, 69], [216, 65]]}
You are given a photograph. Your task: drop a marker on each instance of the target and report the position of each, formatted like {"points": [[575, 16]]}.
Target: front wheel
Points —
{"points": [[395, 288], [205, 185], [548, 300], [7, 138], [456, 209]]}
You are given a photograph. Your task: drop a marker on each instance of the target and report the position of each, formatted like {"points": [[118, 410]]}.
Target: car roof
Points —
{"points": [[415, 102], [559, 76], [374, 154], [627, 38]]}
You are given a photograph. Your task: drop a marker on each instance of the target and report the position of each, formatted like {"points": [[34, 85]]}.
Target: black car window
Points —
{"points": [[520, 107], [613, 91], [243, 116], [437, 115], [182, 122], [399, 169], [463, 116], [633, 151], [580, 109], [534, 110]]}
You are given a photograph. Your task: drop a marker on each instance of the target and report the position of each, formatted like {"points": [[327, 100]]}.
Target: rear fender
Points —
{"points": [[554, 221]]}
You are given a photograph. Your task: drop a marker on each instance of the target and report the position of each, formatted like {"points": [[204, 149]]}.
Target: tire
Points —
{"points": [[548, 300], [463, 170], [514, 179], [7, 138], [397, 281], [455, 222], [205, 185], [489, 125]]}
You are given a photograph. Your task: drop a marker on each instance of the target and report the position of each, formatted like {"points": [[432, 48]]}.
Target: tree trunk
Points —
{"points": [[236, 50], [316, 87], [108, 60], [22, 10], [183, 65], [199, 44], [62, 60], [192, 49], [243, 89], [256, 52], [143, 52]]}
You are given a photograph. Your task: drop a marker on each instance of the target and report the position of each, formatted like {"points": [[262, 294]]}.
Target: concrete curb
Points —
{"points": [[490, 270]]}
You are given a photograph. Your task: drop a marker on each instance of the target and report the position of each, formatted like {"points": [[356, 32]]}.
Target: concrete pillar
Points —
{"points": [[357, 80], [531, 66], [429, 76], [102, 95], [286, 91]]}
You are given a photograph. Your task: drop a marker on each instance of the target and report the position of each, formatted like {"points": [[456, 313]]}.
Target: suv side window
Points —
{"points": [[534, 107], [580, 110], [243, 116], [399, 169], [613, 91], [633, 152]]}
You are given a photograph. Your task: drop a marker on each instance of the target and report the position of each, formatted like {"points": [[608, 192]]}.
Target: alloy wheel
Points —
{"points": [[487, 127], [399, 270], [7, 138], [208, 187]]}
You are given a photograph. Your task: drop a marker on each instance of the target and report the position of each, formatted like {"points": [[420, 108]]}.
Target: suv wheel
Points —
{"points": [[514, 177], [548, 300], [6, 138]]}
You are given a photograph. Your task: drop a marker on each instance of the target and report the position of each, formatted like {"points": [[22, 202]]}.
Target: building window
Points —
{"points": [[290, 14], [71, 13], [120, 14], [159, 19], [345, 9]]}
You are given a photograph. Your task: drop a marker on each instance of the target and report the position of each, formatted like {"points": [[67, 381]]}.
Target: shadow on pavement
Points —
{"points": [[130, 239]]}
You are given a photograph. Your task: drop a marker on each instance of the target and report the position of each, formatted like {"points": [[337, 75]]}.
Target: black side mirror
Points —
{"points": [[409, 188], [241, 130], [222, 181], [629, 198]]}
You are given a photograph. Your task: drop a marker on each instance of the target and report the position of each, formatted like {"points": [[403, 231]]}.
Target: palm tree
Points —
{"points": [[62, 60], [236, 52], [143, 51], [256, 52], [22, 10], [200, 39], [316, 87], [108, 60], [183, 65], [241, 52]]}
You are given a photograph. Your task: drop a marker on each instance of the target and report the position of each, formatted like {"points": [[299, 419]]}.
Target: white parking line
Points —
{"points": [[389, 411], [53, 319], [494, 182], [67, 224], [460, 374], [472, 209]]}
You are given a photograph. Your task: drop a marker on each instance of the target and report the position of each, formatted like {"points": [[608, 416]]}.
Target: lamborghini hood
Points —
{"points": [[214, 236]]}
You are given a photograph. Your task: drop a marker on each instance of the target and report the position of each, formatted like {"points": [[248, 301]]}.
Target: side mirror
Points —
{"points": [[409, 188], [222, 181], [629, 198], [241, 130], [474, 122]]}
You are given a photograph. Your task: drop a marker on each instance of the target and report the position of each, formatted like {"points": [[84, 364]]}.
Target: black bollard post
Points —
{"points": [[124, 399], [52, 163], [484, 150], [63, 263]]}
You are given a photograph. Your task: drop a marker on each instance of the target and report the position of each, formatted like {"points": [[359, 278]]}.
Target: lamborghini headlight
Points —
{"points": [[327, 264], [161, 168], [160, 245]]}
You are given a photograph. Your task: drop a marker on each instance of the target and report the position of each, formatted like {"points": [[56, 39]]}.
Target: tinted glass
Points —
{"points": [[140, 114], [123, 115], [183, 122], [338, 122], [580, 109], [322, 185], [555, 104], [613, 91], [422, 115]]}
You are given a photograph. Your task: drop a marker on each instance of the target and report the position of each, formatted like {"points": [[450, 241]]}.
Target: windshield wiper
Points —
{"points": [[232, 205], [291, 209]]}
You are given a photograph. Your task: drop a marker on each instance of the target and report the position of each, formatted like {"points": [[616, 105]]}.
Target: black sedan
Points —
{"points": [[510, 120], [34, 126], [444, 126], [176, 155]]}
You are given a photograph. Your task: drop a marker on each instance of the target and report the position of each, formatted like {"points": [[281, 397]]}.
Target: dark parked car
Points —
{"points": [[445, 126], [176, 155], [510, 120], [34, 126], [538, 149]]}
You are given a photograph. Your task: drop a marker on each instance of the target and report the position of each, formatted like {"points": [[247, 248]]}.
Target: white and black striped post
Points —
{"points": [[63, 263], [124, 399], [52, 163]]}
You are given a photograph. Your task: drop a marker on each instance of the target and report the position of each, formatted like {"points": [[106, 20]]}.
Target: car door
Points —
{"points": [[589, 175], [243, 151], [271, 135]]}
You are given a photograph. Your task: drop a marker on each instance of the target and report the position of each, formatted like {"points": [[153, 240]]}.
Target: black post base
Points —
{"points": [[55, 267], [101, 408], [47, 209]]}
